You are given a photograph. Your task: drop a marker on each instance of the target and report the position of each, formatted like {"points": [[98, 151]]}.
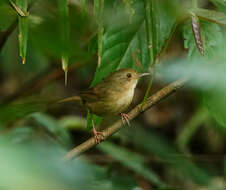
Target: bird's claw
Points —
{"points": [[96, 135], [125, 118]]}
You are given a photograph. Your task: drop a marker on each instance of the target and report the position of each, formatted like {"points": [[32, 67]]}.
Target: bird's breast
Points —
{"points": [[125, 98]]}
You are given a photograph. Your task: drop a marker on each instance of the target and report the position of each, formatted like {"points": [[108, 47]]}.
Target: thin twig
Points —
{"points": [[151, 101], [17, 9]]}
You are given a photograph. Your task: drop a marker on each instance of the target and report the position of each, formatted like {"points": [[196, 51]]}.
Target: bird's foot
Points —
{"points": [[125, 118], [96, 135]]}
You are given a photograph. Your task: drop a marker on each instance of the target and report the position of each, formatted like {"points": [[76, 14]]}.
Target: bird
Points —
{"points": [[112, 96]]}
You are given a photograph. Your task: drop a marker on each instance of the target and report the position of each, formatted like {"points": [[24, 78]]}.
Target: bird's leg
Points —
{"points": [[96, 133], [125, 118]]}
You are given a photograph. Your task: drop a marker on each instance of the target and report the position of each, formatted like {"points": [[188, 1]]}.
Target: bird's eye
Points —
{"points": [[129, 75]]}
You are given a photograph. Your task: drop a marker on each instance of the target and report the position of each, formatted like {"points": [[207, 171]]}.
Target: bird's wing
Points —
{"points": [[90, 95], [96, 93]]}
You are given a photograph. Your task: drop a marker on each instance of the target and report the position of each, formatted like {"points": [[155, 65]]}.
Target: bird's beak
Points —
{"points": [[143, 74]]}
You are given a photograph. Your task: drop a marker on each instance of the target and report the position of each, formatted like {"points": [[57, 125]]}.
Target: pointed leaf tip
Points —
{"points": [[65, 68], [23, 60]]}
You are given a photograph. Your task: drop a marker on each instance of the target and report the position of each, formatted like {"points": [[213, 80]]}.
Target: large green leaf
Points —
{"points": [[121, 40], [214, 97], [221, 5], [125, 44], [40, 166], [211, 35], [56, 44], [125, 36]]}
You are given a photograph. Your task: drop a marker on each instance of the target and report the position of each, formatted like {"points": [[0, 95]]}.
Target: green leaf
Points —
{"points": [[14, 111], [210, 15], [131, 160], [7, 15], [23, 36], [190, 128], [207, 77], [97, 120], [23, 29], [221, 5], [42, 168], [50, 43], [83, 7], [214, 41], [120, 41], [93, 46], [52, 126], [21, 134], [211, 35], [65, 29]]}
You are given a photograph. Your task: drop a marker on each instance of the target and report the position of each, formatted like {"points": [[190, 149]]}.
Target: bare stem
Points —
{"points": [[194, 3]]}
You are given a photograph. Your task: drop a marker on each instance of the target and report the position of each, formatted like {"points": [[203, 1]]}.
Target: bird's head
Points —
{"points": [[126, 77]]}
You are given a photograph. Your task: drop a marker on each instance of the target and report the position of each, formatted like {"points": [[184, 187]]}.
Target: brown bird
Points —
{"points": [[110, 97]]}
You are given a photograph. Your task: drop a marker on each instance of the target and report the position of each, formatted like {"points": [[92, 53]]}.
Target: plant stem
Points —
{"points": [[149, 29], [190, 128], [98, 11], [150, 21], [194, 3]]}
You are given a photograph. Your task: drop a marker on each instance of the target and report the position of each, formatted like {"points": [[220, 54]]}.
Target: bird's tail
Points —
{"points": [[76, 99]]}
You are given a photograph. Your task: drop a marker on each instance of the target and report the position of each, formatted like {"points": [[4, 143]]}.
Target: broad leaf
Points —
{"points": [[121, 41], [221, 4], [214, 97], [125, 43]]}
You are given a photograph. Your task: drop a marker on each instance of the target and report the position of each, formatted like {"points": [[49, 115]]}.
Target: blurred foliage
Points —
{"points": [[179, 144], [6, 12], [40, 166], [131, 160]]}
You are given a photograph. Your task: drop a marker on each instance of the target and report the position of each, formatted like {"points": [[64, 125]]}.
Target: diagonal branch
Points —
{"points": [[151, 101]]}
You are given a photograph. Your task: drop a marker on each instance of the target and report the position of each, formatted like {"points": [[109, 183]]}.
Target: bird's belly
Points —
{"points": [[112, 106]]}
